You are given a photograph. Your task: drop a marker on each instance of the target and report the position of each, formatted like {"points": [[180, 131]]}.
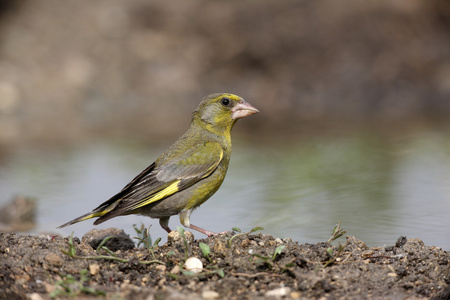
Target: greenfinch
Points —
{"points": [[186, 174]]}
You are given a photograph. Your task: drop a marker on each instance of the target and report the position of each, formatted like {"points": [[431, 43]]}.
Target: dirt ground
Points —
{"points": [[235, 266]]}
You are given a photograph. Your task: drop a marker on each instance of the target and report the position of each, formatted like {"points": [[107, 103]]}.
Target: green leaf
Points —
{"points": [[278, 251], [157, 242], [330, 252], [264, 258], [256, 229], [103, 242], [221, 273], [205, 249], [237, 229]]}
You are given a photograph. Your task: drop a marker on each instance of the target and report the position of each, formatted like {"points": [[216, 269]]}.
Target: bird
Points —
{"points": [[185, 175]]}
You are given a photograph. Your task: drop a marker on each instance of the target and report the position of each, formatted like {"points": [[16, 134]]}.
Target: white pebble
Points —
{"points": [[193, 264], [35, 296], [210, 295], [279, 292]]}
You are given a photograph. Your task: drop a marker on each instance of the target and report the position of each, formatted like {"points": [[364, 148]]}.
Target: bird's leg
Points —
{"points": [[185, 220], [204, 231], [164, 222]]}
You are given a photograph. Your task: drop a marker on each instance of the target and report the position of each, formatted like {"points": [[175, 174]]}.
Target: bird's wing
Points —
{"points": [[171, 177]]}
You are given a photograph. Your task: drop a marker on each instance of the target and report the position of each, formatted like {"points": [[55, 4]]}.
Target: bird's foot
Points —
{"points": [[204, 231]]}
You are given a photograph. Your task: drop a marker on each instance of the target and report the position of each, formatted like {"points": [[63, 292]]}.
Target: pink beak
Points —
{"points": [[243, 109]]}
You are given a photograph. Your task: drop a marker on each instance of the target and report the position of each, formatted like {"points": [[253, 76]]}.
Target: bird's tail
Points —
{"points": [[84, 217], [98, 212]]}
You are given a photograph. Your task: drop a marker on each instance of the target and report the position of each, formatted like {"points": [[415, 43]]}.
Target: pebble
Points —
{"points": [[175, 270], [210, 295], [174, 237], [280, 292], [245, 243], [54, 259], [194, 265], [119, 241], [367, 253], [288, 240], [161, 268], [94, 269], [35, 296]]}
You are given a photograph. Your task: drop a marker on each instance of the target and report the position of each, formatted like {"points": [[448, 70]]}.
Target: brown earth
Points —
{"points": [[250, 266]]}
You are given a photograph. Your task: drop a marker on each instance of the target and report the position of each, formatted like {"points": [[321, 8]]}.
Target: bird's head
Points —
{"points": [[219, 112]]}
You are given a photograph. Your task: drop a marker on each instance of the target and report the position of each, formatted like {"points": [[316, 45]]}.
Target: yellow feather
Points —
{"points": [[100, 213], [171, 189]]}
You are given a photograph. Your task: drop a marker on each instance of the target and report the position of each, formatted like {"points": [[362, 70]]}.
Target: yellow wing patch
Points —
{"points": [[169, 190]]}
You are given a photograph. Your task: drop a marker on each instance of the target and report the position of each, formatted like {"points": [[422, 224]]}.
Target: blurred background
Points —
{"points": [[354, 99]]}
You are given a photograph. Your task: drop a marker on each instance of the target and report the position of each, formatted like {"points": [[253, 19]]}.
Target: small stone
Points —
{"points": [[278, 241], [296, 295], [245, 243], [162, 281], [288, 240], [49, 288], [174, 237], [54, 259], [175, 270], [161, 268], [150, 297], [389, 248], [35, 296], [367, 253], [220, 247], [194, 265], [210, 295], [125, 285], [94, 269], [400, 241], [119, 241], [353, 244], [280, 292]]}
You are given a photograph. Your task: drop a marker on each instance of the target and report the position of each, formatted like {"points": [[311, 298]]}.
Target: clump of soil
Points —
{"points": [[250, 266]]}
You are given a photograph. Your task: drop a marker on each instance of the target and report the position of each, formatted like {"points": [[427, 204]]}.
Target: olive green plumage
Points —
{"points": [[185, 175]]}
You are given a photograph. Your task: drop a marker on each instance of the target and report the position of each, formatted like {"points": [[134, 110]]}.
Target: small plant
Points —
{"points": [[242, 233], [103, 243], [267, 259], [333, 258], [278, 251], [186, 246], [144, 238], [336, 233], [205, 250], [69, 286]]}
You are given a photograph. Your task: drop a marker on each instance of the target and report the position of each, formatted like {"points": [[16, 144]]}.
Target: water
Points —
{"points": [[380, 186]]}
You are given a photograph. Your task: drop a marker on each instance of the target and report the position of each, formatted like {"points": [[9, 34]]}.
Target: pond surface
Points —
{"points": [[380, 186]]}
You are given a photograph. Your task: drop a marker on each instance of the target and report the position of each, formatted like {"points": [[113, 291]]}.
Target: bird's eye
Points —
{"points": [[225, 101]]}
